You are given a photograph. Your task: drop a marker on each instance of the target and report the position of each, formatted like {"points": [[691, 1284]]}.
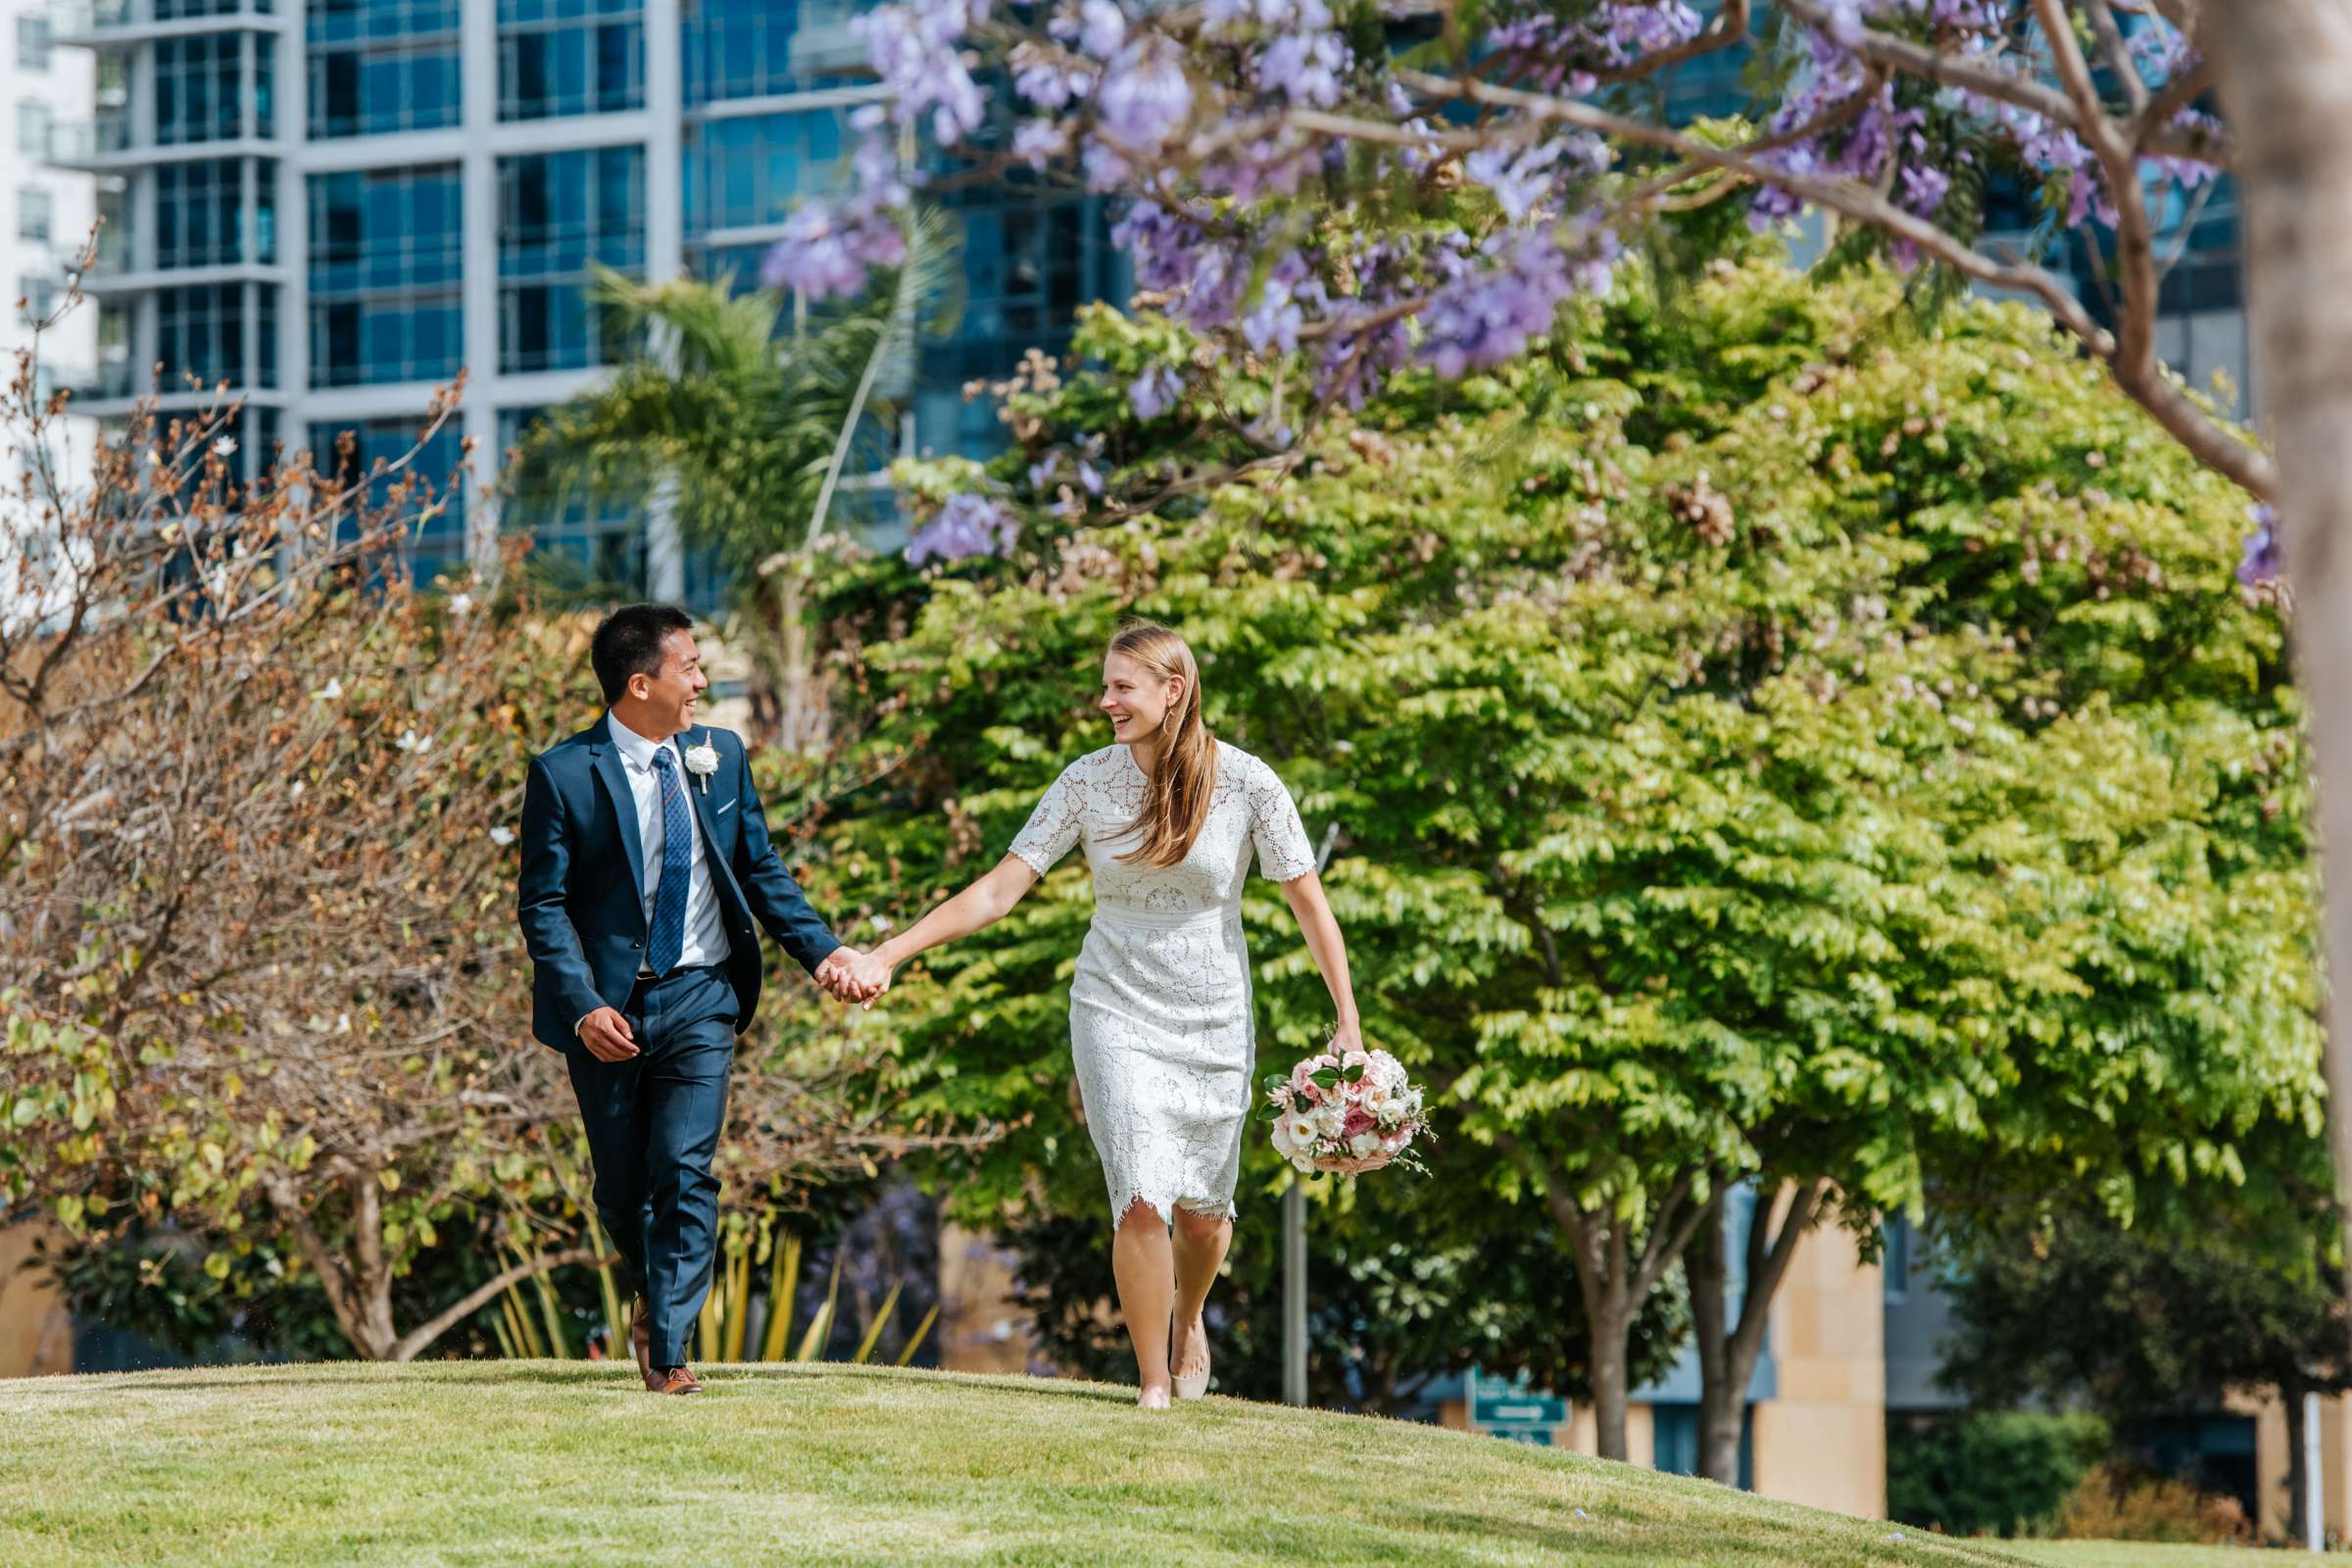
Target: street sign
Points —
{"points": [[1511, 1409]]}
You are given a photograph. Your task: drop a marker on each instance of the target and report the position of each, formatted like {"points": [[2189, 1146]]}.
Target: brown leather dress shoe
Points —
{"points": [[641, 1339], [677, 1380]]}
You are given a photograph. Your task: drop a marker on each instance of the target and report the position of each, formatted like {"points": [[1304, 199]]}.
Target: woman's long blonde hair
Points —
{"points": [[1176, 799]]}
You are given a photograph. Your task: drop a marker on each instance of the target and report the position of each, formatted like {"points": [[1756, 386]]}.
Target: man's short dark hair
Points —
{"points": [[628, 642]]}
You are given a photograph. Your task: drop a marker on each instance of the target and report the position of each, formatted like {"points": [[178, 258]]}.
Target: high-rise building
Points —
{"points": [[46, 219], [333, 207], [45, 214]]}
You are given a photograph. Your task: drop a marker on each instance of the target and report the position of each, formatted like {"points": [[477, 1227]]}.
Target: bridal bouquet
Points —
{"points": [[1346, 1114]]}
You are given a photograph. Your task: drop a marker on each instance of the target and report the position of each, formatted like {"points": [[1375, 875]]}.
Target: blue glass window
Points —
{"points": [[351, 454], [595, 538], [196, 82], [559, 213], [387, 254], [199, 333], [382, 65], [741, 172], [172, 10], [200, 212], [570, 57], [1030, 260], [761, 48]]}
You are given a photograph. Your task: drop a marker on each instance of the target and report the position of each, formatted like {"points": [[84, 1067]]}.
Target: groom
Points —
{"points": [[645, 860]]}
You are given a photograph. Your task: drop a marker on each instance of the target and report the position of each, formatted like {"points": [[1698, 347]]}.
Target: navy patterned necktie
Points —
{"points": [[668, 937]]}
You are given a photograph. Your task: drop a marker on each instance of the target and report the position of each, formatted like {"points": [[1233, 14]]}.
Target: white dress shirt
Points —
{"points": [[706, 933]]}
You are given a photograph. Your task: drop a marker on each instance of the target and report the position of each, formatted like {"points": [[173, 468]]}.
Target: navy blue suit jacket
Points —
{"points": [[582, 903]]}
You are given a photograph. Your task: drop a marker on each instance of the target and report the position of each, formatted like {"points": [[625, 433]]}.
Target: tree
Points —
{"points": [[751, 424], [256, 886], [1716, 803], [1346, 192], [2154, 1320]]}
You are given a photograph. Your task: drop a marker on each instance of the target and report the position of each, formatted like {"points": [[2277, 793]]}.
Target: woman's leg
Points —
{"points": [[1200, 1249], [1147, 1278]]}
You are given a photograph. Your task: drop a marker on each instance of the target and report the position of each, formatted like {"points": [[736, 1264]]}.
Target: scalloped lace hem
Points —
{"points": [[1217, 1209]]}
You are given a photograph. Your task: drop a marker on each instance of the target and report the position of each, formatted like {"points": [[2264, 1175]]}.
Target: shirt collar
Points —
{"points": [[635, 749]]}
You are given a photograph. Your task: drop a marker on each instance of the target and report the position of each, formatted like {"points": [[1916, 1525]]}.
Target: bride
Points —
{"points": [[1162, 1028]]}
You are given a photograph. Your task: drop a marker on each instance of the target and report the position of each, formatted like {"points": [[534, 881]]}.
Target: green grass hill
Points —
{"points": [[465, 1463]]}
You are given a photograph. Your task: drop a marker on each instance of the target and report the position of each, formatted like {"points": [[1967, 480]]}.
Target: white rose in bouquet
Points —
{"points": [[1297, 1132]]}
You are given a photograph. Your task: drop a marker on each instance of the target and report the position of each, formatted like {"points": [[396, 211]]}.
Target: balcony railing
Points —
{"points": [[113, 379], [78, 140], [72, 18]]}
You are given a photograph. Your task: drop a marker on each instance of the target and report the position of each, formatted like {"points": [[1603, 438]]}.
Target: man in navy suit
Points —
{"points": [[645, 862]]}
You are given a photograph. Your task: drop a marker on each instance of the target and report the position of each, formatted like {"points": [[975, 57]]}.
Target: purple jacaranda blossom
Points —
{"points": [[1519, 177], [967, 525], [1144, 97], [824, 252], [2261, 563], [1272, 324], [913, 49], [1037, 142], [1049, 79], [1268, 165], [1102, 29], [1488, 312], [1154, 392], [1304, 66], [1272, 15]]}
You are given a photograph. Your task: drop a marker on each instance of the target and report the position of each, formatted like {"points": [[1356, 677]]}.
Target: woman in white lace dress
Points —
{"points": [[1161, 1025]]}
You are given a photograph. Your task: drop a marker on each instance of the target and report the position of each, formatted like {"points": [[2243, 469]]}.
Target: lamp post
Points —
{"points": [[1293, 1242]]}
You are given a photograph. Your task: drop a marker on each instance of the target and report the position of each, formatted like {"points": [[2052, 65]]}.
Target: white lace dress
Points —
{"points": [[1160, 1021]]}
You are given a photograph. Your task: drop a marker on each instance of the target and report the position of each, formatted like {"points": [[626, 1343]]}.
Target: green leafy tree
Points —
{"points": [[1808, 752], [2167, 1318]]}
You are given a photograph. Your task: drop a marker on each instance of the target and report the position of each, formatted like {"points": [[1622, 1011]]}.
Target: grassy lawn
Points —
{"points": [[567, 1463], [2136, 1555]]}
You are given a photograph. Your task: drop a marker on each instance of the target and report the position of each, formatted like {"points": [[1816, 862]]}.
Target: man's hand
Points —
{"points": [[839, 975], [607, 1035]]}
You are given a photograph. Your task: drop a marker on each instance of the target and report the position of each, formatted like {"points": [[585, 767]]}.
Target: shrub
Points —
{"points": [[2007, 1473], [2112, 1503]]}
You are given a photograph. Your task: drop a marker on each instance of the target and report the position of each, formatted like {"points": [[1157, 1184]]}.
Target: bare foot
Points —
{"points": [[1153, 1399], [1192, 1355]]}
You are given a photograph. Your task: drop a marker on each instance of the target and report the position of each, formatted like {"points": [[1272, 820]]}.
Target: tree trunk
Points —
{"points": [[793, 654], [2286, 72], [1729, 1349], [1611, 1337], [1706, 1265]]}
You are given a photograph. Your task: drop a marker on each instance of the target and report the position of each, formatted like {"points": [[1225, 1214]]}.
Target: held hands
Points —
{"points": [[873, 971], [853, 976]]}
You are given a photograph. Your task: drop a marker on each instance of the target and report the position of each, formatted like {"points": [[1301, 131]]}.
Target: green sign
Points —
{"points": [[1508, 1410]]}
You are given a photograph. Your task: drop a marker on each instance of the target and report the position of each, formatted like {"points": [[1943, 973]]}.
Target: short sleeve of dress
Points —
{"points": [[1283, 852], [1053, 828]]}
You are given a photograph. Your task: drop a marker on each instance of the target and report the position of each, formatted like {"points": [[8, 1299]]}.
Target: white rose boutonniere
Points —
{"points": [[701, 761]]}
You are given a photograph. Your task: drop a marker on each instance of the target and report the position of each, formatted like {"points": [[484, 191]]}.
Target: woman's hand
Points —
{"points": [[1349, 1037], [871, 972]]}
